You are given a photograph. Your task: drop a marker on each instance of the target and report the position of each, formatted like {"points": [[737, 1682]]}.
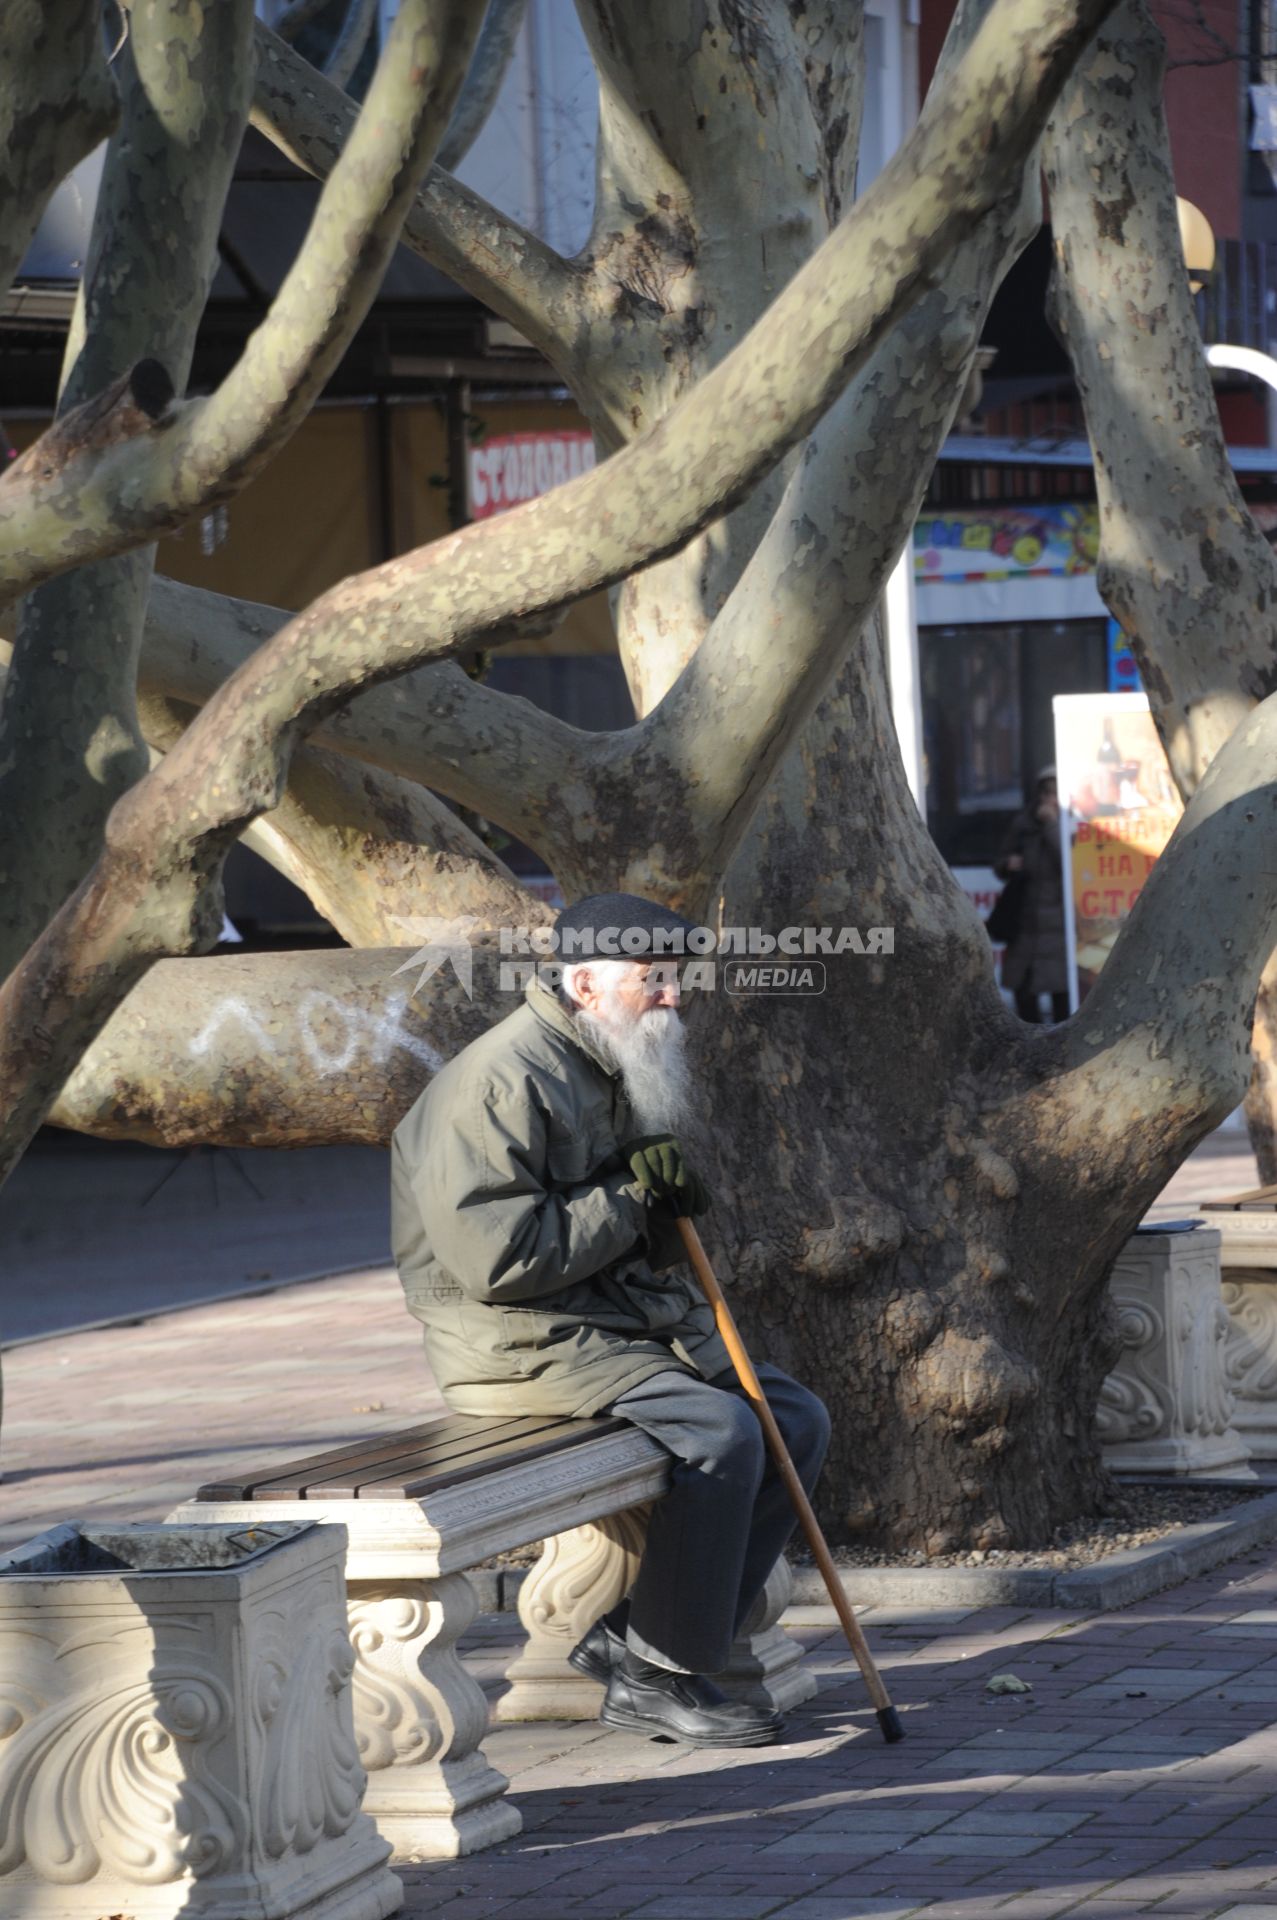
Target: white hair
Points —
{"points": [[648, 1049], [573, 969]]}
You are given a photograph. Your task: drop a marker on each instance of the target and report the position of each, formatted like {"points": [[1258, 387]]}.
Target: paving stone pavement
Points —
{"points": [[1137, 1778]]}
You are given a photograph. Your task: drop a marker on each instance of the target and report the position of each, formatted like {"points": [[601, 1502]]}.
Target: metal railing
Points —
{"points": [[1240, 304]]}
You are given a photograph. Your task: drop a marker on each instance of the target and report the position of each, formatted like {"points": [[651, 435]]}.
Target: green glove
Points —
{"points": [[657, 1162]]}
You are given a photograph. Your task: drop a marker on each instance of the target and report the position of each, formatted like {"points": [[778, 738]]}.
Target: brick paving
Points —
{"points": [[1138, 1778]]}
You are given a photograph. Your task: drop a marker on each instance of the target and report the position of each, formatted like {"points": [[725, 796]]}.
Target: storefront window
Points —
{"points": [[987, 725]]}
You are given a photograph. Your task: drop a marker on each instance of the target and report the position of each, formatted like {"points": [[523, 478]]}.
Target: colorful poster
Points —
{"points": [[505, 469], [1007, 542], [1118, 808], [1124, 674]]}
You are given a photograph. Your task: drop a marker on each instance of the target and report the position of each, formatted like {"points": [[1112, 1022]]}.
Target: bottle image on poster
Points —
{"points": [[1118, 808]]}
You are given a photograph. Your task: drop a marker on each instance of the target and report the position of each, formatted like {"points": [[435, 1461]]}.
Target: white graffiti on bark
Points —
{"points": [[332, 1034]]}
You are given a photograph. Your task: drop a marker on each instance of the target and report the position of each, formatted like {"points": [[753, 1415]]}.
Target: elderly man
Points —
{"points": [[536, 1185]]}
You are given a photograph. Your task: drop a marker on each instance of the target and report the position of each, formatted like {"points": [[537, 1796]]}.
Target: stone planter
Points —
{"points": [[1248, 1270], [1168, 1405], [176, 1732]]}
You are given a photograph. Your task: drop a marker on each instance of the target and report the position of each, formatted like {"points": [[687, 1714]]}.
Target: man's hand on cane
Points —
{"points": [[658, 1163]]}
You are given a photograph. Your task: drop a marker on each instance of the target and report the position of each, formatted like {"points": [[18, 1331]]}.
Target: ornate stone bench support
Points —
{"points": [[584, 1572], [419, 1719]]}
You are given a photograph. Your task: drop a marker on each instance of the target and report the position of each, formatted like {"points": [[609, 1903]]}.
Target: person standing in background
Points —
{"points": [[1035, 961]]}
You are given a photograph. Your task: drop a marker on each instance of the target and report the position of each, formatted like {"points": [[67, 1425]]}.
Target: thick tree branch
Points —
{"points": [[1182, 564], [713, 745], [156, 888], [498, 755], [707, 207], [703, 210], [490, 255], [381, 858], [109, 502], [740, 705], [279, 1049], [57, 101], [69, 738]]}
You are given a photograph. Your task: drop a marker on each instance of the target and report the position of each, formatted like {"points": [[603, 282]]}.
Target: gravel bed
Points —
{"points": [[1139, 1516]]}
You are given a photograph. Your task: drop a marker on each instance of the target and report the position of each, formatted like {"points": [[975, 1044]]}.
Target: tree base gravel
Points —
{"points": [[1138, 1517]]}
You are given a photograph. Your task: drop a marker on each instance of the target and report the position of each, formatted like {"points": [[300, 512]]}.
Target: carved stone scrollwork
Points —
{"points": [[104, 1760], [1135, 1400], [582, 1574], [310, 1784], [419, 1718], [1250, 1356], [1168, 1405], [1206, 1394]]}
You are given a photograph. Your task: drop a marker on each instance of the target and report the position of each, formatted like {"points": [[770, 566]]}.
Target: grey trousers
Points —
{"points": [[716, 1535]]}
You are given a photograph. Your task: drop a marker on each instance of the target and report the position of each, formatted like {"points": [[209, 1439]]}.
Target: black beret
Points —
{"points": [[619, 926]]}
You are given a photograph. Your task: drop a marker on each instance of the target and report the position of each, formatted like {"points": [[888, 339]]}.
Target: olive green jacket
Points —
{"points": [[524, 1244]]}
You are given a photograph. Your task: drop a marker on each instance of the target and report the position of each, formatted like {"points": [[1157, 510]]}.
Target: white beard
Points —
{"points": [[650, 1051]]}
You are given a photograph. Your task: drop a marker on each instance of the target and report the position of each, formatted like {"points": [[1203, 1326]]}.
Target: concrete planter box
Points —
{"points": [[1169, 1406], [176, 1732]]}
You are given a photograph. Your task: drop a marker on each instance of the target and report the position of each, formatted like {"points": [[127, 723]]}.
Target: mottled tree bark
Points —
{"points": [[108, 502], [381, 858], [502, 758], [484, 251], [57, 101], [275, 1050], [1182, 564], [70, 744], [674, 286]]}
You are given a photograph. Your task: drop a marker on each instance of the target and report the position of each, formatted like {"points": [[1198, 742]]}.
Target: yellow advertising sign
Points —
{"points": [[1118, 808]]}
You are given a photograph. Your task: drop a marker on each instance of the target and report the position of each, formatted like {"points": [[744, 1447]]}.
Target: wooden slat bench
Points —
{"points": [[421, 1507]]}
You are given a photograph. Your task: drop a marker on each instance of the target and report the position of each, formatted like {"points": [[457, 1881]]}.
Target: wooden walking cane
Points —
{"points": [[888, 1718]]}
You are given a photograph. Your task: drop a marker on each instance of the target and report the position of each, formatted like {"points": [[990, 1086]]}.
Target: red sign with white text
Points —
{"points": [[508, 468]]}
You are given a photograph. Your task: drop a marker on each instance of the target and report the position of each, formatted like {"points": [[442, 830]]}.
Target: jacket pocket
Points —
{"points": [[572, 1158]]}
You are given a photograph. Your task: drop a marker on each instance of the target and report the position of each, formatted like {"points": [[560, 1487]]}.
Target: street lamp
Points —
{"points": [[1198, 243], [1197, 239]]}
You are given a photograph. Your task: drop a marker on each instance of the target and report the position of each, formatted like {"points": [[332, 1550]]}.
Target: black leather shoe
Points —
{"points": [[599, 1653], [644, 1698]]}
